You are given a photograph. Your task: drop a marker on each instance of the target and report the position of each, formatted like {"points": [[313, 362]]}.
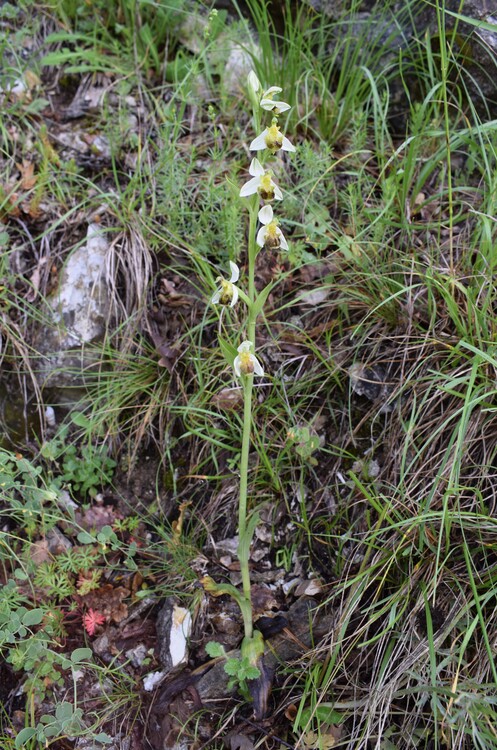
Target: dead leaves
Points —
{"points": [[22, 194], [323, 740], [321, 727], [27, 172], [108, 601], [230, 399]]}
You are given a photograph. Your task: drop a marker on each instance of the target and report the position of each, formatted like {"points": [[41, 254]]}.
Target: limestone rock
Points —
{"points": [[78, 314]]}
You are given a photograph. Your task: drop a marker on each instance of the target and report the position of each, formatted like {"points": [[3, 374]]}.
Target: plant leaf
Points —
{"points": [[232, 667], [33, 617], [79, 654], [214, 649], [261, 298], [228, 350], [24, 736]]}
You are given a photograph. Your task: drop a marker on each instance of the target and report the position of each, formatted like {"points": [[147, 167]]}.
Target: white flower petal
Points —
{"points": [[270, 105], [286, 145], [234, 299], [256, 169], [277, 193], [250, 187], [260, 142], [261, 237], [245, 346], [257, 367], [235, 272], [283, 242], [216, 297], [270, 91], [266, 214]]}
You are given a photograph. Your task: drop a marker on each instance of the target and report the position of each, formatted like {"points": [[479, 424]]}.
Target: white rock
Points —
{"points": [[82, 300], [151, 680], [180, 631], [79, 311]]}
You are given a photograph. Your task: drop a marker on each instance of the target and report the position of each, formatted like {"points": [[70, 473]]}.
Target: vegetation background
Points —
{"points": [[374, 459]]}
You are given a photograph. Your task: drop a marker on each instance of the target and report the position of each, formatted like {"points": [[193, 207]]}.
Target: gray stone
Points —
{"points": [[78, 314]]}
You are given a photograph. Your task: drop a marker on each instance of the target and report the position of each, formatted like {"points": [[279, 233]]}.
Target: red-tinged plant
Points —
{"points": [[91, 620]]}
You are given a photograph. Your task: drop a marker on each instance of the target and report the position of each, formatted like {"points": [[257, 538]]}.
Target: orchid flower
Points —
{"points": [[261, 182], [227, 293], [246, 363], [270, 235], [267, 101], [272, 139]]}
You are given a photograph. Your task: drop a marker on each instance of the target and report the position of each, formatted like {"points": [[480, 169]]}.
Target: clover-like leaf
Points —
{"points": [[214, 649]]}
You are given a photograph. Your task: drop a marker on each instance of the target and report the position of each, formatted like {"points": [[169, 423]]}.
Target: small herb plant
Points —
{"points": [[260, 193], [38, 599], [304, 442], [85, 469], [239, 670]]}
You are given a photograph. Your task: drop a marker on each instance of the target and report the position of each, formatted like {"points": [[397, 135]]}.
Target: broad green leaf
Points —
{"points": [[64, 711], [80, 419], [105, 534], [33, 617], [261, 298], [228, 350], [52, 730], [85, 538], [24, 736], [79, 654], [245, 541], [324, 714]]}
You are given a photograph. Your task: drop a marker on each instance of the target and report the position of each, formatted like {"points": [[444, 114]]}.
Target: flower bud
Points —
{"points": [[253, 83]]}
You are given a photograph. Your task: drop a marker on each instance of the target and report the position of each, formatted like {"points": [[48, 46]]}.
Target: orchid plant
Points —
{"points": [[261, 191]]}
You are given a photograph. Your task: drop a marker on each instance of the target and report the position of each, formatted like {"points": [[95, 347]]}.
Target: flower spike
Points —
{"points": [[227, 293], [246, 363]]}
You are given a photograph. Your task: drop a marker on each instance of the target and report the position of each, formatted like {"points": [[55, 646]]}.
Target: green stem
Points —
{"points": [[242, 506], [252, 252], [247, 426]]}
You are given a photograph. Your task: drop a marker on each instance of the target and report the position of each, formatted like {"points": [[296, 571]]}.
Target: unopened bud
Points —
{"points": [[253, 83]]}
